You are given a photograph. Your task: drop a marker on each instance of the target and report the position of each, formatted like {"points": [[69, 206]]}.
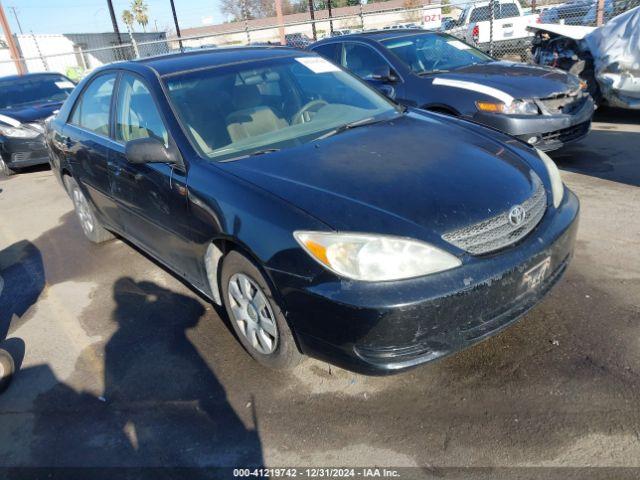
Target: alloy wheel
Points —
{"points": [[253, 314], [83, 210]]}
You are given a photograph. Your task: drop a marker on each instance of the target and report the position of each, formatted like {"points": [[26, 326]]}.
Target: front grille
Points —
{"points": [[498, 232], [566, 134], [564, 103]]}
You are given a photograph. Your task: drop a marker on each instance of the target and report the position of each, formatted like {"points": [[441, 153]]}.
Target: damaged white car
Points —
{"points": [[607, 57]]}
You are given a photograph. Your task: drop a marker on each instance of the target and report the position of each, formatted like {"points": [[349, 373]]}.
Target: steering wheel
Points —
{"points": [[304, 114]]}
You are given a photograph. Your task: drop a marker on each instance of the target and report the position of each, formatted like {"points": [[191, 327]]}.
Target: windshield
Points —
{"points": [[431, 52], [248, 108], [41, 89]]}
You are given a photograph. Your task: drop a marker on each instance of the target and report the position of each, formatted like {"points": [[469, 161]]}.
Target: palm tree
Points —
{"points": [[127, 18], [140, 12]]}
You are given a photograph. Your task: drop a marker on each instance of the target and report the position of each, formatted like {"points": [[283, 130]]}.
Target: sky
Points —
{"points": [[79, 16]]}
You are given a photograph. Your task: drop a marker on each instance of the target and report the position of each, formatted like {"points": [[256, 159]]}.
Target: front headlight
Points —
{"points": [[374, 258], [557, 188], [516, 107], [18, 132]]}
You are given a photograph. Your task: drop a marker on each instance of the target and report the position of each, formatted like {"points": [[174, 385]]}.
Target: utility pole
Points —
{"points": [[13, 9], [13, 49], [600, 13], [313, 20], [280, 22], [114, 22], [175, 22]]}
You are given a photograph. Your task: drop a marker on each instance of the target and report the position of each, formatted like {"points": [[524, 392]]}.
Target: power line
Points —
{"points": [[13, 9]]}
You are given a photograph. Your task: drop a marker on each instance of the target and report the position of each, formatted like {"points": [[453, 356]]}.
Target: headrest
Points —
{"points": [[246, 96]]}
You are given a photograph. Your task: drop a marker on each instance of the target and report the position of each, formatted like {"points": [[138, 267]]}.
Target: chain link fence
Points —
{"points": [[498, 27], [501, 27]]}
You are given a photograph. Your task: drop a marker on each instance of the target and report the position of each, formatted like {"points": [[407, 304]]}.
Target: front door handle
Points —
{"points": [[114, 168]]}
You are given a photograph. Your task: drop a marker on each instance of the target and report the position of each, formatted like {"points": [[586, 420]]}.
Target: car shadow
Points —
{"points": [[604, 153], [21, 283], [160, 404], [616, 115]]}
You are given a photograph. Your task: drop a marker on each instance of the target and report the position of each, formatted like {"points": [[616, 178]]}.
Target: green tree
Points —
{"points": [[140, 8], [128, 19]]}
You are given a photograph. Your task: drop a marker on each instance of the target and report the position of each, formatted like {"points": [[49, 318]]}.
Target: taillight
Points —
{"points": [[475, 33]]}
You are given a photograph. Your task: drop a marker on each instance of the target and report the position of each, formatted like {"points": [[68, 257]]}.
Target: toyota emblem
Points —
{"points": [[517, 216]]}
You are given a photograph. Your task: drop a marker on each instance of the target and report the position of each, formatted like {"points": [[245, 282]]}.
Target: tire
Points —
{"points": [[90, 225], [5, 171], [7, 369], [280, 354]]}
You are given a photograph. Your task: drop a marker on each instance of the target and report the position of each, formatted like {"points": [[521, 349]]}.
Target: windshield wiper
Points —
{"points": [[349, 126], [255, 153]]}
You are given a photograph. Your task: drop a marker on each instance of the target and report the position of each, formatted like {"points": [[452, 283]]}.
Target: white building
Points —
{"points": [[73, 53]]}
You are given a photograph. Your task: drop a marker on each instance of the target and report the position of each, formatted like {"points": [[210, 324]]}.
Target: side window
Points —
{"points": [[136, 112], [329, 51], [361, 59], [94, 105]]}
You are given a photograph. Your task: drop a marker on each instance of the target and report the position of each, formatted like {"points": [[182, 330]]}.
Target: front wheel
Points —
{"points": [[91, 227], [7, 368], [5, 171], [255, 315]]}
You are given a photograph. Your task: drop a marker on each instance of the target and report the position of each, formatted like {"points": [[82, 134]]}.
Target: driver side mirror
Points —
{"points": [[383, 74], [151, 150]]}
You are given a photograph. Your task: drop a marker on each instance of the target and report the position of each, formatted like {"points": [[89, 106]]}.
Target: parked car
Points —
{"points": [[606, 58], [25, 102], [431, 70], [344, 31], [575, 12], [510, 34], [326, 219], [297, 40]]}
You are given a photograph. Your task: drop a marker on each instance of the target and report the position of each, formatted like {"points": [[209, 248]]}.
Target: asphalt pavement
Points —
{"points": [[123, 365]]}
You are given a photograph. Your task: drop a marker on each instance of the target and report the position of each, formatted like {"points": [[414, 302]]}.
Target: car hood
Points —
{"points": [[515, 79], [419, 175], [31, 113]]}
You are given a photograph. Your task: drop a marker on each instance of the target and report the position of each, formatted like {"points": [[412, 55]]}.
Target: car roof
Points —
{"points": [[31, 75], [197, 59], [377, 35]]}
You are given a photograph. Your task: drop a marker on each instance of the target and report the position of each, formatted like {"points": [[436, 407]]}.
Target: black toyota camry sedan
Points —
{"points": [[545, 107], [328, 220], [25, 103]]}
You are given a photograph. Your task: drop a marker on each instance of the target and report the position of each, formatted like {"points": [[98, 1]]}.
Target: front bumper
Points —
{"points": [[545, 132], [23, 152], [388, 327]]}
